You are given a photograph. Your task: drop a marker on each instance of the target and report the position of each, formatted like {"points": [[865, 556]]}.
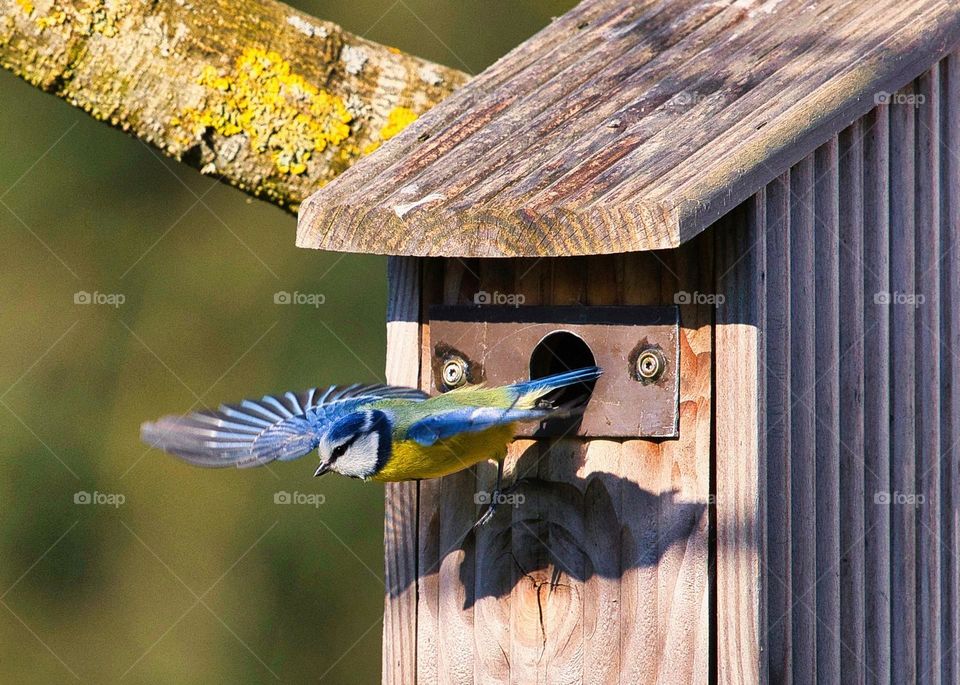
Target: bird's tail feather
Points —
{"points": [[528, 392]]}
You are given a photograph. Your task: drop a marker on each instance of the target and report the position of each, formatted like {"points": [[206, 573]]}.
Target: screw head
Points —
{"points": [[650, 365], [454, 372]]}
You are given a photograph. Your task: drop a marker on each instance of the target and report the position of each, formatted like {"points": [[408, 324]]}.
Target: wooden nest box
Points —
{"points": [[765, 196]]}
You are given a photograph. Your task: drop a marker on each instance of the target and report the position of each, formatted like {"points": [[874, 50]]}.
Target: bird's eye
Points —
{"points": [[338, 451]]}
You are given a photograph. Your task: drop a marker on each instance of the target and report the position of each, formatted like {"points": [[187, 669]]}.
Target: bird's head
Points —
{"points": [[358, 445]]}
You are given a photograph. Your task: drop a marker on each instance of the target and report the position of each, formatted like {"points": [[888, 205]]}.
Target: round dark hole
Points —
{"points": [[558, 352]]}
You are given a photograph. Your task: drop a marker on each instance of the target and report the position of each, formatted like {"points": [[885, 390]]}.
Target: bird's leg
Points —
{"points": [[495, 497]]}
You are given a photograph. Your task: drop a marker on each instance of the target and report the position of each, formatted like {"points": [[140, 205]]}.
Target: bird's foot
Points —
{"points": [[486, 516]]}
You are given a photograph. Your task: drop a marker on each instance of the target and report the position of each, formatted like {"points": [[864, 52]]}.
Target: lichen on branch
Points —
{"points": [[250, 91], [275, 108]]}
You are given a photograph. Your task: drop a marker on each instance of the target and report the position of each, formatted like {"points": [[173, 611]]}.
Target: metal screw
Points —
{"points": [[454, 372], [651, 364]]}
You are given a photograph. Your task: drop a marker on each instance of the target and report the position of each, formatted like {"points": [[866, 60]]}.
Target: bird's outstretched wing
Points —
{"points": [[255, 432], [440, 426]]}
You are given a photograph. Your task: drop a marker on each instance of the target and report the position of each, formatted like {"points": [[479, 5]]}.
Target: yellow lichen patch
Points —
{"points": [[96, 16], [397, 120], [277, 109], [55, 18]]}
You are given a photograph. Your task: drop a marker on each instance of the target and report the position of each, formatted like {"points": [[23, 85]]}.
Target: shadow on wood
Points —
{"points": [[547, 530], [561, 530]]}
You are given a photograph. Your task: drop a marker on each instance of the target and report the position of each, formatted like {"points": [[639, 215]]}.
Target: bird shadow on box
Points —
{"points": [[553, 531]]}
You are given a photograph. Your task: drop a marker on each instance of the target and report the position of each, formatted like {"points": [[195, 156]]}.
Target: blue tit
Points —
{"points": [[372, 432]]}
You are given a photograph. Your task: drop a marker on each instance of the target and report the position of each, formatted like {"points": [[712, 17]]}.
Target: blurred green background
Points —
{"points": [[198, 577]]}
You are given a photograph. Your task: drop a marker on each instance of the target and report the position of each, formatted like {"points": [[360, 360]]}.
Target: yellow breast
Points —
{"points": [[410, 461]]}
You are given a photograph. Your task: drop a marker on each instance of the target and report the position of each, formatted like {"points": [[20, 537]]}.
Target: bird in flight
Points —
{"points": [[371, 432]]}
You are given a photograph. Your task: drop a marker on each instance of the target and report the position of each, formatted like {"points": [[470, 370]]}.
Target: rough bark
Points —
{"points": [[265, 97]]}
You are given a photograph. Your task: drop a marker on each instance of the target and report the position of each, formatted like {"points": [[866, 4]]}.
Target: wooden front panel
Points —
{"points": [[601, 575]]}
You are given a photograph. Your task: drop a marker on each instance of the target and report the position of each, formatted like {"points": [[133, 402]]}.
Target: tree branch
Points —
{"points": [[252, 91]]}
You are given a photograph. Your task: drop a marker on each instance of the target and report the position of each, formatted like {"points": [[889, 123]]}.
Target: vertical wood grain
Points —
{"points": [[739, 434], [639, 644], [685, 468], [803, 438], [458, 510], [639, 599], [850, 369], [428, 543], [876, 394], [602, 472], [400, 521], [602, 610], [949, 367], [561, 595], [826, 399], [778, 360], [902, 392], [928, 376]]}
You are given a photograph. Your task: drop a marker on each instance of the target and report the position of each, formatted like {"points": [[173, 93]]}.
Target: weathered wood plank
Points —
{"points": [[639, 600], [458, 510], [950, 368], [740, 427], [685, 467], [639, 645], [493, 579], [826, 395], [902, 392], [778, 435], [734, 122], [561, 590], [652, 73], [428, 543], [400, 520], [803, 440], [602, 609], [850, 367], [876, 396], [671, 114], [529, 62], [928, 376], [602, 482]]}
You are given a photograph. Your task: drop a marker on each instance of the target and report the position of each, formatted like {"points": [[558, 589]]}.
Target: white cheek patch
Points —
{"points": [[360, 459]]}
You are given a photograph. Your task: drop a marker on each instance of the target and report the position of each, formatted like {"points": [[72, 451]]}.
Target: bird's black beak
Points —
{"points": [[322, 469]]}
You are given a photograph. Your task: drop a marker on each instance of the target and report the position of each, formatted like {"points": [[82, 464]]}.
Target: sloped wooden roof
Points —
{"points": [[627, 126]]}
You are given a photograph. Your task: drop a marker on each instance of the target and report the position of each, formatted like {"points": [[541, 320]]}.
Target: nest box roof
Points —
{"points": [[627, 126]]}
